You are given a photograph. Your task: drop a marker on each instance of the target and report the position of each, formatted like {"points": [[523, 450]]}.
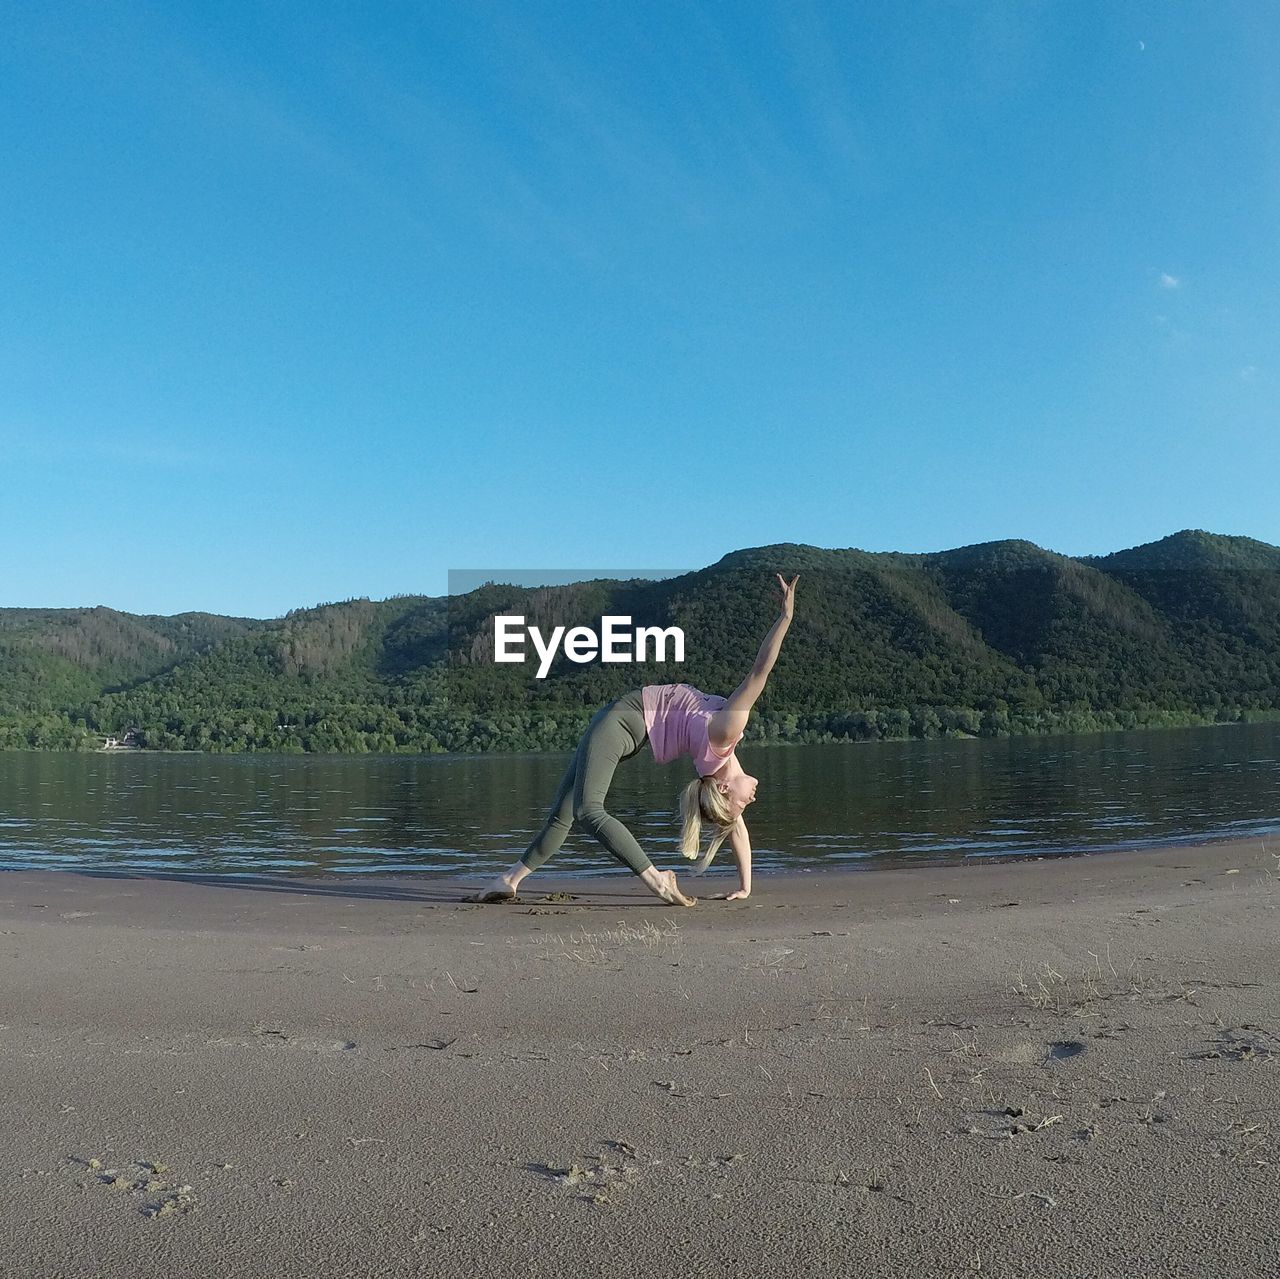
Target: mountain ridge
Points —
{"points": [[986, 639]]}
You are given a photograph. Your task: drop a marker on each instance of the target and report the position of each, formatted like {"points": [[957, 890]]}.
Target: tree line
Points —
{"points": [[987, 641]]}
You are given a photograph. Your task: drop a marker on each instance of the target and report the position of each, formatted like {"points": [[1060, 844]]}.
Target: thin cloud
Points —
{"points": [[1168, 281], [36, 446]]}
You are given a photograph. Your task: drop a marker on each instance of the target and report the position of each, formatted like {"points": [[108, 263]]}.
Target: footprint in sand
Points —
{"points": [[282, 1037], [312, 1045], [1021, 1054], [1064, 1049], [144, 1179], [1029, 1054]]}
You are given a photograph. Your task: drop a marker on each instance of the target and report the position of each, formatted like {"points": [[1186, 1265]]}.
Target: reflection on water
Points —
{"points": [[818, 805]]}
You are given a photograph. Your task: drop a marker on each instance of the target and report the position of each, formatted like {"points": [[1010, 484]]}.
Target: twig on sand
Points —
{"points": [[932, 1085]]}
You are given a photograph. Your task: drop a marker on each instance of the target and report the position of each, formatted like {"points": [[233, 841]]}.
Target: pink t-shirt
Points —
{"points": [[677, 717]]}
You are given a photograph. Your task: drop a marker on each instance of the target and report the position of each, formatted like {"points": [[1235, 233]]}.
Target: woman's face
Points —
{"points": [[740, 791]]}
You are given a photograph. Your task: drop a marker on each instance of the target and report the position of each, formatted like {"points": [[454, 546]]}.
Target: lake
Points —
{"points": [[873, 804]]}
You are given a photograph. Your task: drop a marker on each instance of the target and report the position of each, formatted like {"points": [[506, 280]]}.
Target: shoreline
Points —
{"points": [[983, 878], [1051, 1067], [722, 870], [1249, 717]]}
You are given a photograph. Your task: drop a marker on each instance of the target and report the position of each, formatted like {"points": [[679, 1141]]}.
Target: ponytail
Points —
{"points": [[701, 799]]}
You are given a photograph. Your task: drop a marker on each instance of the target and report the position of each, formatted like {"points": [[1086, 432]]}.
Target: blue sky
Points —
{"points": [[300, 302]]}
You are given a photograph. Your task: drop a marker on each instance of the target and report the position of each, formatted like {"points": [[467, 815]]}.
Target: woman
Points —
{"points": [[675, 719]]}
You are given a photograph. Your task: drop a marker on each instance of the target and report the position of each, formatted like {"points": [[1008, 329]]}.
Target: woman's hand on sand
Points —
{"points": [[788, 594]]}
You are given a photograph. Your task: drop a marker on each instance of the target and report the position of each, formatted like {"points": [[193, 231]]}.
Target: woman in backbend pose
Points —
{"points": [[676, 720]]}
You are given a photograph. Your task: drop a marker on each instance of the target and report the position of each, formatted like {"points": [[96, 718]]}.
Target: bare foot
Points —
{"points": [[670, 892], [501, 890]]}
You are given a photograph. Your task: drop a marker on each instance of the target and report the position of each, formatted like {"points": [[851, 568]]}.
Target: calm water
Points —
{"points": [[818, 805]]}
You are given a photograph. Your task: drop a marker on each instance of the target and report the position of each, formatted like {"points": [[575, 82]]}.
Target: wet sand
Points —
{"points": [[1065, 1067]]}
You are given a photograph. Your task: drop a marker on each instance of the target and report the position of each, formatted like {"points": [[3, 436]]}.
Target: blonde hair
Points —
{"points": [[701, 800]]}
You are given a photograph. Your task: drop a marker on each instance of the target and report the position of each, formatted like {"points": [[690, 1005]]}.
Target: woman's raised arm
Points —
{"points": [[730, 721]]}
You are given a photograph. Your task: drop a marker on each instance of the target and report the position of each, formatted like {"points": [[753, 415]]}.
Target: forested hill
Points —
{"points": [[993, 639]]}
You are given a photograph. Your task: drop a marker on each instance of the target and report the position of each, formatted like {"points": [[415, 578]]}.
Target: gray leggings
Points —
{"points": [[616, 733]]}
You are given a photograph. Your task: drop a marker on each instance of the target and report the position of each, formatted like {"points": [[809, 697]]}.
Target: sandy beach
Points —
{"points": [[1061, 1067]]}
